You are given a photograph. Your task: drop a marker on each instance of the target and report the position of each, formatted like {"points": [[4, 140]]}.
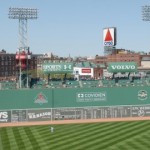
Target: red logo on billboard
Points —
{"points": [[40, 99], [108, 36], [86, 70]]}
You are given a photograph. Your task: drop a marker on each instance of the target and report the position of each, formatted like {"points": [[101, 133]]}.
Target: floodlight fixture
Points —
{"points": [[22, 13], [146, 13]]}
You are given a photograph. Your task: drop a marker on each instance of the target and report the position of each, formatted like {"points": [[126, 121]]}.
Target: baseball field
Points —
{"points": [[123, 135]]}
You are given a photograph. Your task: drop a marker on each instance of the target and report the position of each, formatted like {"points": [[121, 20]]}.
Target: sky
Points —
{"points": [[75, 27]]}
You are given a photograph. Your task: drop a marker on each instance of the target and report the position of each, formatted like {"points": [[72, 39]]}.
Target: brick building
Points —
{"points": [[8, 69], [120, 56]]}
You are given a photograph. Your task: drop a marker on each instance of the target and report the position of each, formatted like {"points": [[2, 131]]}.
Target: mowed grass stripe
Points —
{"points": [[63, 130], [137, 131], [81, 131], [32, 138], [67, 137], [27, 142], [83, 137], [118, 147], [18, 137], [78, 137], [99, 133], [140, 142], [105, 139], [123, 145], [12, 140], [146, 140], [1, 144], [126, 134], [143, 141], [39, 139], [133, 145], [119, 129], [5, 139]]}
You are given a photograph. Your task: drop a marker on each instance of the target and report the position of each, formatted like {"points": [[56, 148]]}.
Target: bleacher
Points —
{"points": [[108, 82], [73, 84], [90, 83]]}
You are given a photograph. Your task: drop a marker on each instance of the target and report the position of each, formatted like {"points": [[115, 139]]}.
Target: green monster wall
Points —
{"points": [[73, 97], [25, 99], [101, 96]]}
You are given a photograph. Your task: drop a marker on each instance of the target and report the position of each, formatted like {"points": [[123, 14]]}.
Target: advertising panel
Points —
{"points": [[109, 36], [91, 96], [57, 68], [39, 115], [83, 71], [141, 111], [122, 67], [5, 116]]}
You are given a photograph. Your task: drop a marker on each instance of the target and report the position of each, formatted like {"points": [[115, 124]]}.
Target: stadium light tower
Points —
{"points": [[146, 13], [23, 14]]}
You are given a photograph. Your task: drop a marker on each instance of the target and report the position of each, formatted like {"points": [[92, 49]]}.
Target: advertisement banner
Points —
{"points": [[109, 37], [5, 116], [141, 111], [122, 67], [57, 68], [88, 70], [39, 115]]}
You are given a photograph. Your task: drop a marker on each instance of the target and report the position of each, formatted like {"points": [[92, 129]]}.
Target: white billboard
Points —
{"points": [[83, 71], [109, 36]]}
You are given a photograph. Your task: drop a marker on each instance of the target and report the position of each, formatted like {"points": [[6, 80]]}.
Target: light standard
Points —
{"points": [[23, 14]]}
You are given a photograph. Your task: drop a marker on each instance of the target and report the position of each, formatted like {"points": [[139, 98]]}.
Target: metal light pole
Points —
{"points": [[23, 14]]}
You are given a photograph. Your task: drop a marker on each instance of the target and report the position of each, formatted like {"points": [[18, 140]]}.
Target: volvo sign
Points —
{"points": [[122, 67]]}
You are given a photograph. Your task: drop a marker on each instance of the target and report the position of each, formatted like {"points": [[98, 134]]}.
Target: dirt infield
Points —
{"points": [[72, 121]]}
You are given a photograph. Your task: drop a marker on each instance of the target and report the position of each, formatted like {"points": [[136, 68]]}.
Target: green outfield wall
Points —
{"points": [[73, 97], [80, 97], [73, 103], [25, 99]]}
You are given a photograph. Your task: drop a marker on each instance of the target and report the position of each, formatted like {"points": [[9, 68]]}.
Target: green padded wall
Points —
{"points": [[73, 97]]}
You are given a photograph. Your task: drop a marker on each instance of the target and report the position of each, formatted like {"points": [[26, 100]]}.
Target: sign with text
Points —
{"points": [[5, 116], [90, 96], [109, 36], [39, 114], [88, 70], [122, 67], [57, 68]]}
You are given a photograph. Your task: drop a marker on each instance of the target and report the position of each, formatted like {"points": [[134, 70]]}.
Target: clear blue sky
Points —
{"points": [[75, 27]]}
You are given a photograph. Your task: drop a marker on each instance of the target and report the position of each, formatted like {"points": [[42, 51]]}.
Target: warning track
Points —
{"points": [[71, 121]]}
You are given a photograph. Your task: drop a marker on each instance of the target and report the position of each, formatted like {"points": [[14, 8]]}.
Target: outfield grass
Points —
{"points": [[133, 135]]}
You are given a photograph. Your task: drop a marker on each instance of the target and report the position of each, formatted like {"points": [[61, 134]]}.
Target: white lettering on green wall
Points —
{"points": [[123, 67], [90, 96]]}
